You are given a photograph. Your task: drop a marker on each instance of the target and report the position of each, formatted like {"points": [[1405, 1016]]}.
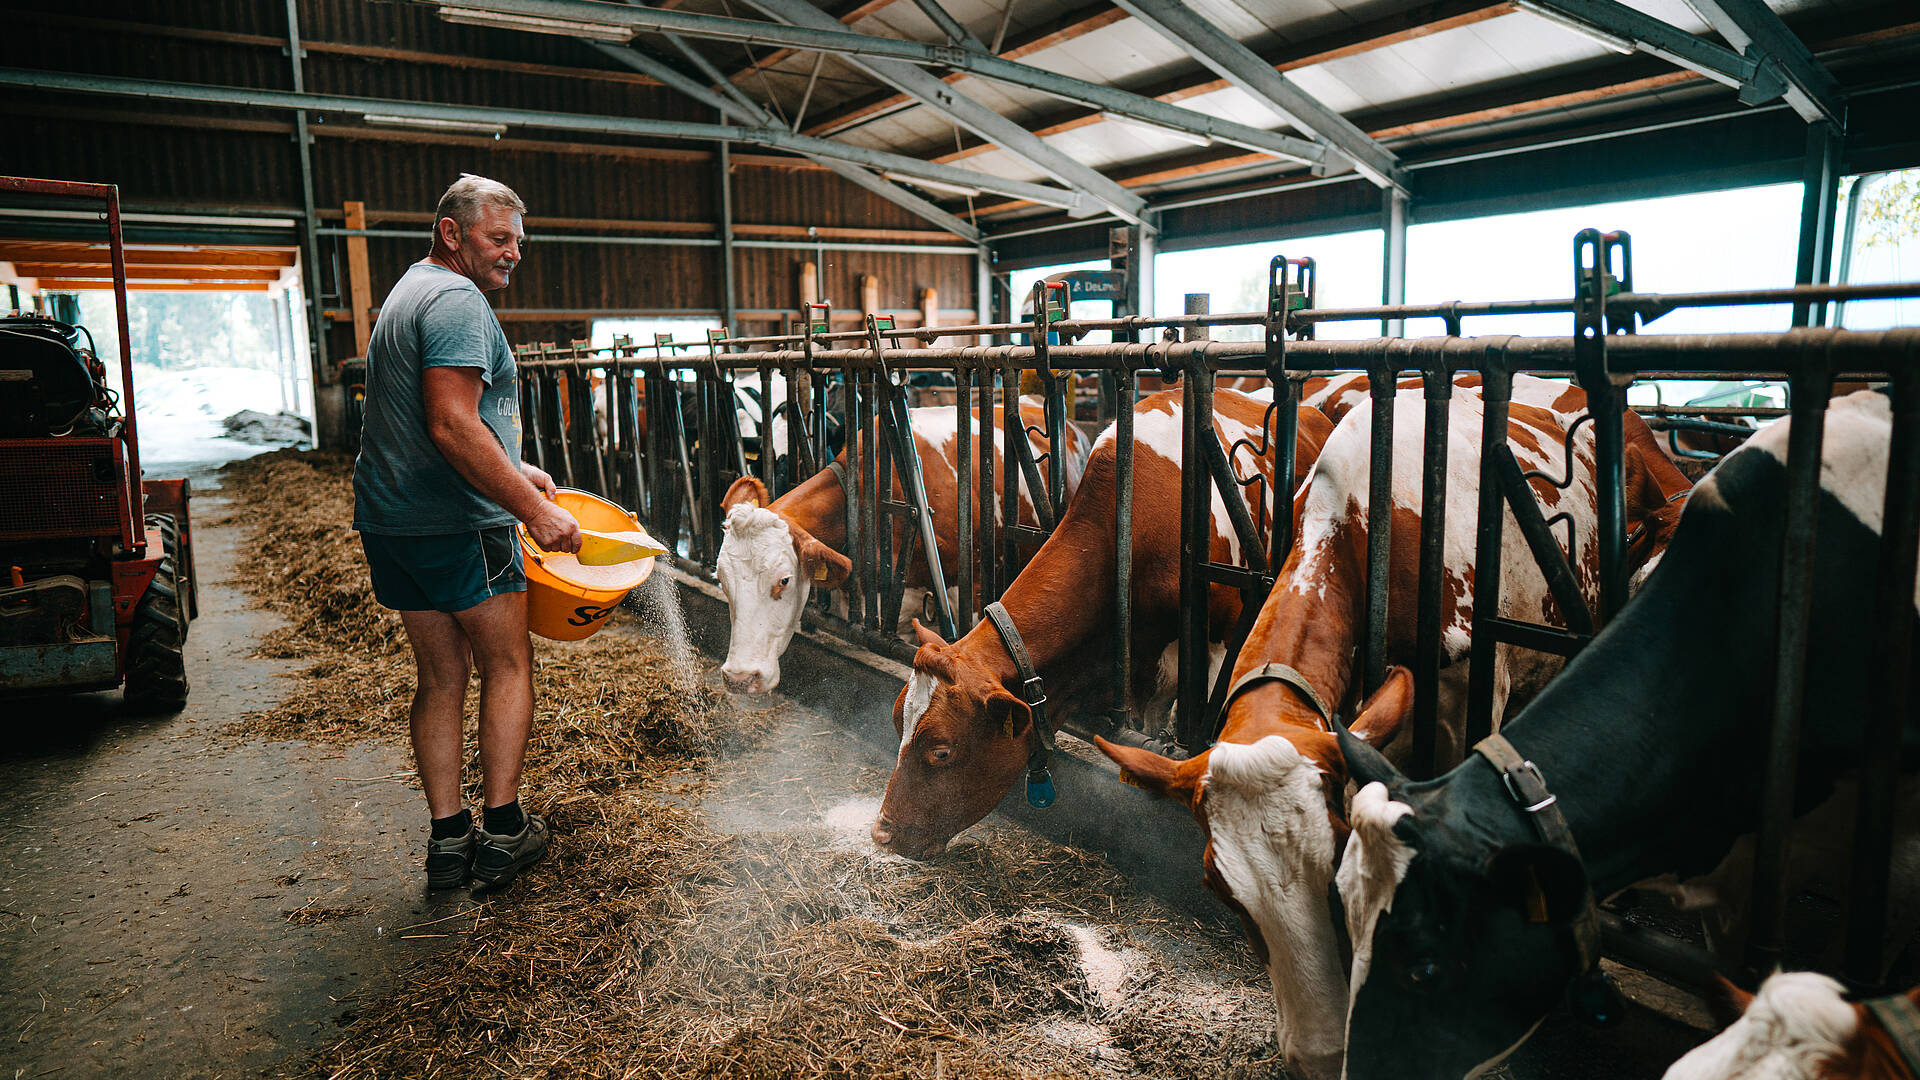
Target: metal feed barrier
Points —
{"points": [[586, 408]]}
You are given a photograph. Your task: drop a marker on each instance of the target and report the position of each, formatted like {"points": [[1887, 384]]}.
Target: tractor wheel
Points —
{"points": [[156, 661]]}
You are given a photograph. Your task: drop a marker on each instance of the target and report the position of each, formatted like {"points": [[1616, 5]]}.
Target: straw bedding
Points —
{"points": [[711, 907]]}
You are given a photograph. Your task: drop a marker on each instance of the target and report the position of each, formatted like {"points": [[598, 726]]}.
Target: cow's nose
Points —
{"points": [[742, 683], [882, 832]]}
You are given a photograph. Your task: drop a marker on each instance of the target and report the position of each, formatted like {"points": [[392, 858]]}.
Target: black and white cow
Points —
{"points": [[1463, 920]]}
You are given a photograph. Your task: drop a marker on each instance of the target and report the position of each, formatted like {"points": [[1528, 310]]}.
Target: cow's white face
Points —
{"points": [[1272, 848], [1374, 866], [760, 573], [1794, 1026]]}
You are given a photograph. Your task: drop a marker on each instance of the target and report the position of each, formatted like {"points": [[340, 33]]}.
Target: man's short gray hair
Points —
{"points": [[463, 200]]}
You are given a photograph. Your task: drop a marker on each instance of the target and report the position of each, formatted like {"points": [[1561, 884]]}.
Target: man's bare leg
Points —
{"points": [[441, 666], [496, 628]]}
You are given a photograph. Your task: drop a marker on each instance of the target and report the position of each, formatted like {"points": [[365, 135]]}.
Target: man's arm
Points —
{"points": [[452, 399]]}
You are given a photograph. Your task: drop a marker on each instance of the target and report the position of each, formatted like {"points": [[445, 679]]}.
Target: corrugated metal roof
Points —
{"points": [[1483, 56]]}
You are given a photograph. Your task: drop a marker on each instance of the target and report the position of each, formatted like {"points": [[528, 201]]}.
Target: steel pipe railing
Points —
{"points": [[667, 472]]}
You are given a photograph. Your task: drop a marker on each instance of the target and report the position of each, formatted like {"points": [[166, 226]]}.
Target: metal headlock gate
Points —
{"points": [[691, 450]]}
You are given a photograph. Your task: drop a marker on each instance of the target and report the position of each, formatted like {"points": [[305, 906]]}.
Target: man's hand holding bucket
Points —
{"points": [[550, 525]]}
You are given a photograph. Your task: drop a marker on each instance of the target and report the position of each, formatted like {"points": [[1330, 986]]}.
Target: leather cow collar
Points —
{"points": [[1040, 738]]}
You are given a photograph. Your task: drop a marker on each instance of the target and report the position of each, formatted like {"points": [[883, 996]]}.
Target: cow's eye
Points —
{"points": [[785, 581], [1424, 974], [940, 755]]}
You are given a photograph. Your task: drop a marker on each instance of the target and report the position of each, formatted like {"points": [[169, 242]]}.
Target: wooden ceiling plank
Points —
{"points": [[367, 52], [41, 251], [105, 271], [55, 285]]}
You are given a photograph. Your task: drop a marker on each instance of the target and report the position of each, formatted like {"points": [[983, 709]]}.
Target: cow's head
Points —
{"points": [[1462, 936], [963, 742], [1273, 811], [767, 566]]}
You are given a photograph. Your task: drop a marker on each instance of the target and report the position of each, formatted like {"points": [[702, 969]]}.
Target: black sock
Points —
{"points": [[505, 820], [446, 828]]}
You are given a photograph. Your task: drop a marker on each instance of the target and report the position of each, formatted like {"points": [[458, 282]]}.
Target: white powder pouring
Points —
{"points": [[624, 575]]}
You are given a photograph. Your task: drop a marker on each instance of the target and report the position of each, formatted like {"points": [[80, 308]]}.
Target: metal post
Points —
{"points": [[726, 237], [982, 292], [1393, 264], [1438, 384], [309, 224], [1893, 644], [1844, 273], [1014, 439], [1496, 391], [1143, 240], [1122, 711], [1821, 175], [988, 548], [1810, 384], [886, 600], [1383, 376], [1196, 550], [963, 445]]}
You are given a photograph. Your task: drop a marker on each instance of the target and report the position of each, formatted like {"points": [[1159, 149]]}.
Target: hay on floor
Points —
{"points": [[654, 943]]}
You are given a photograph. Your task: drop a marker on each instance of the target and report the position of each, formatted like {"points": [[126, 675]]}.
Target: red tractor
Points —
{"points": [[96, 567]]}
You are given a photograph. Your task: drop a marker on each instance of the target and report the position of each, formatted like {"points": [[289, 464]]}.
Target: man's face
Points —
{"points": [[490, 249]]}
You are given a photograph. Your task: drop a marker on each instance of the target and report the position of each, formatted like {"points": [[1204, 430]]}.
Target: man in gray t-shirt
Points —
{"points": [[438, 488]]}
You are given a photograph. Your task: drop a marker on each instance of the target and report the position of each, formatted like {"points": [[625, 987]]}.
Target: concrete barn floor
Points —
{"points": [[178, 903]]}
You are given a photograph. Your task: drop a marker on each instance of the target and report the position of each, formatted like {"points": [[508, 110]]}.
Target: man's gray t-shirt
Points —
{"points": [[402, 485]]}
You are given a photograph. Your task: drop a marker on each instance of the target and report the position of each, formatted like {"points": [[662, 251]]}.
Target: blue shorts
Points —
{"points": [[446, 571]]}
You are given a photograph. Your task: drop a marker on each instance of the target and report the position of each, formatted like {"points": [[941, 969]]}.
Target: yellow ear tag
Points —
{"points": [[1008, 725], [820, 572], [1131, 780], [753, 502], [1536, 899]]}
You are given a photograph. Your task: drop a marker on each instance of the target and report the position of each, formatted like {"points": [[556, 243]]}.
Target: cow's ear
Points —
{"points": [[748, 490], [1385, 710], [1009, 716], [928, 637], [1728, 1002], [825, 567], [899, 712], [1365, 764], [1157, 775], [1545, 884]]}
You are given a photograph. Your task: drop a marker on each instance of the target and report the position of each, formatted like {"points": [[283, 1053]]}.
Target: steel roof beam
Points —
{"points": [[974, 116], [1241, 66], [748, 112], [804, 26], [776, 137], [950, 26], [1758, 79], [1749, 25]]}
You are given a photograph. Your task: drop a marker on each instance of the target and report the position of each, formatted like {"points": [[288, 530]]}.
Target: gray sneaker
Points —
{"points": [[499, 859], [450, 861]]}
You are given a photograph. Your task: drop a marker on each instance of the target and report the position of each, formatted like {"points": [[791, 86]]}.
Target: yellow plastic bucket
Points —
{"points": [[567, 601]]}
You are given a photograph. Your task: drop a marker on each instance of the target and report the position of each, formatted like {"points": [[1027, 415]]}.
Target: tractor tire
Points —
{"points": [[156, 657]]}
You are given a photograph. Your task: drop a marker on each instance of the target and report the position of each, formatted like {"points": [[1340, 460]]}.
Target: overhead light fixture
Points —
{"points": [[538, 24], [1606, 38], [434, 123], [960, 190], [1192, 138]]}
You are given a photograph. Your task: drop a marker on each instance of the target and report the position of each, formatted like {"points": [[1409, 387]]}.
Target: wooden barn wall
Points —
{"points": [[184, 157]]}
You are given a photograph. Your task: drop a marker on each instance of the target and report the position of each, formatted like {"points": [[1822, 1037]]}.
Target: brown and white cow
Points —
{"points": [[774, 552], [1800, 1026], [963, 728], [1269, 793]]}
